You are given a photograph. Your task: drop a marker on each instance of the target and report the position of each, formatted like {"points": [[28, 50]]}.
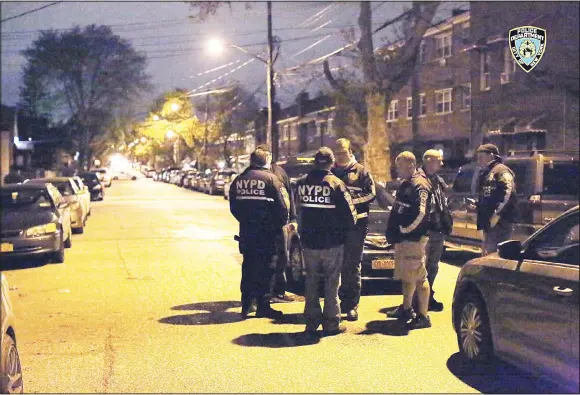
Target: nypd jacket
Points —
{"points": [[360, 184], [409, 218], [440, 218], [260, 202], [284, 179], [497, 195], [327, 210]]}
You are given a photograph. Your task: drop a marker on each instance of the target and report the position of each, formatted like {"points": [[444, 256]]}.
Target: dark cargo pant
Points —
{"points": [[258, 269], [351, 282], [433, 252], [502, 231], [279, 282], [325, 263]]}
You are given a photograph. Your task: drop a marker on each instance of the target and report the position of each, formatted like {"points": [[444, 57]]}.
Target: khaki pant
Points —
{"points": [[410, 261], [326, 263]]}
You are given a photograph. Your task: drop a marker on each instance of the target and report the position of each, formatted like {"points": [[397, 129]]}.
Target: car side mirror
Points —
{"points": [[511, 249]]}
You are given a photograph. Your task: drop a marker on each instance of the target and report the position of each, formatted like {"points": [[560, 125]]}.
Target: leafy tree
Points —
{"points": [[89, 72]]}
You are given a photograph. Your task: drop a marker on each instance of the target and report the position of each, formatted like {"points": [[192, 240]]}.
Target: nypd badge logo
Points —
{"points": [[527, 45]]}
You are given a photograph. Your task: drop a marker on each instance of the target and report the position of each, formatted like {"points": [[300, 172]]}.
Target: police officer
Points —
{"points": [[440, 220], [407, 230], [14, 176], [260, 203], [361, 186], [327, 213], [279, 284], [497, 201]]}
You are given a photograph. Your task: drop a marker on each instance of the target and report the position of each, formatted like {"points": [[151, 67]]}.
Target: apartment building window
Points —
{"points": [[465, 31], [323, 129], [422, 52], [393, 112], [331, 131], [294, 132], [443, 45], [485, 69], [466, 96], [422, 104], [509, 66], [444, 100]]}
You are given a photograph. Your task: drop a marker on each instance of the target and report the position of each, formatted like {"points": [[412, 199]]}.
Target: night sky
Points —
{"points": [[176, 46]]}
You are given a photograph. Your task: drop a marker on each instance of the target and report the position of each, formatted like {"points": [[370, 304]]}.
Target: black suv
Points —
{"points": [[378, 256], [546, 186]]}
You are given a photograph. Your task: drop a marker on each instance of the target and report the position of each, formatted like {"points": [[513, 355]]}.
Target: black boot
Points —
{"points": [[248, 306], [435, 305]]}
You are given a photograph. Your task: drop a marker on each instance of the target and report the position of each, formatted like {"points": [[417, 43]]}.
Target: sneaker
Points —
{"points": [[269, 312], [419, 322], [435, 305], [286, 298], [333, 332], [352, 315], [402, 314]]}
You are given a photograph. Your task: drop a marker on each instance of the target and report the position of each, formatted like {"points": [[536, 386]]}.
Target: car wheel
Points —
{"points": [[12, 370], [473, 330], [133, 178], [68, 242], [58, 257]]}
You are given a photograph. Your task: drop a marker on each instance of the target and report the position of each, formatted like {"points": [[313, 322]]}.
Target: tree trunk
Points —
{"points": [[377, 152]]}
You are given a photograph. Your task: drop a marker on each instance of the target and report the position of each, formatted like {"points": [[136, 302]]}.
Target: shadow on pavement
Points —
{"points": [[386, 310], [388, 327], [20, 264], [211, 313], [457, 257], [499, 377], [381, 287], [295, 319], [276, 340]]}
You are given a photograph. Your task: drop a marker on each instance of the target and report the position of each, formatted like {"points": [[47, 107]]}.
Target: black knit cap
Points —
{"points": [[489, 148], [324, 156]]}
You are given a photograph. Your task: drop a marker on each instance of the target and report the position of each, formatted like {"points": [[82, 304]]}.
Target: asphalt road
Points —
{"points": [[148, 301]]}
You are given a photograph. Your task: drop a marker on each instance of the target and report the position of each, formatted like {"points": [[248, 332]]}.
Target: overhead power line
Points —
{"points": [[30, 12]]}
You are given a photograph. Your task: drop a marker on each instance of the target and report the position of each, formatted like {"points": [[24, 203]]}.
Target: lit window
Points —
{"points": [[444, 99], [393, 112], [443, 43]]}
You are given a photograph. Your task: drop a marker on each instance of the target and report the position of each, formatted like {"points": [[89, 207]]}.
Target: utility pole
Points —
{"points": [[415, 88], [206, 132], [272, 131]]}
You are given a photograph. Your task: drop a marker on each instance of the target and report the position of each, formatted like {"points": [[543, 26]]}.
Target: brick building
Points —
{"points": [[445, 91], [515, 109]]}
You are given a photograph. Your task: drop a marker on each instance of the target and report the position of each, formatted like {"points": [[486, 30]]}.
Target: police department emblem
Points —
{"points": [[527, 45], [352, 176]]}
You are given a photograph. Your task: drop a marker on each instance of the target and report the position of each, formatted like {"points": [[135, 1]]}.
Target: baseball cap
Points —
{"points": [[324, 156], [489, 148]]}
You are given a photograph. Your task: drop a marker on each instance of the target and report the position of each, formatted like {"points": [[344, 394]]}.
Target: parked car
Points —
{"points": [[10, 368], [95, 186], [150, 173], [84, 194], [72, 195], [228, 184], [204, 182], [103, 173], [378, 256], [36, 221], [217, 181], [196, 181], [521, 303], [188, 177], [126, 175], [547, 184]]}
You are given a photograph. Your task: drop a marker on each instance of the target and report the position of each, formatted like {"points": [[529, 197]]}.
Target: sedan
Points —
{"points": [[126, 175], [36, 221], [217, 181], [104, 175], [228, 185], [84, 193], [521, 303], [95, 186], [10, 368], [71, 194]]}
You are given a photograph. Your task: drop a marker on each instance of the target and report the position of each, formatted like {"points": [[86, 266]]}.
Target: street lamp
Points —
{"points": [[143, 139], [216, 46], [170, 134], [156, 117], [175, 107]]}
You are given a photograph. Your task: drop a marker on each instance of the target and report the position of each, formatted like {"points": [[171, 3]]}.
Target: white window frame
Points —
{"points": [[444, 45], [485, 76], [464, 89], [293, 132], [422, 52], [447, 104], [509, 63], [331, 131], [422, 108], [393, 112], [465, 28]]}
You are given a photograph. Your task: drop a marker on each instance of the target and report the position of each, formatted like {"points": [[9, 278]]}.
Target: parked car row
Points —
{"points": [[212, 182]]}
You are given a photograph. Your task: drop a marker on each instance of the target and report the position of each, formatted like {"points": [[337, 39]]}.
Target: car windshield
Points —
{"points": [[222, 175], [64, 187], [561, 179], [24, 198], [89, 178]]}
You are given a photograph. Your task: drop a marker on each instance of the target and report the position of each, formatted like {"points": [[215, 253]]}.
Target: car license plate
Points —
{"points": [[383, 264], [7, 247]]}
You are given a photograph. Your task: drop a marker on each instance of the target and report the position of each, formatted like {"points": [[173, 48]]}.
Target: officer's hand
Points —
{"points": [[494, 220], [293, 227]]}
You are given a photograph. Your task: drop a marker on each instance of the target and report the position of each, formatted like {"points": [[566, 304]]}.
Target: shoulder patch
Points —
{"points": [[423, 195], [506, 177], [285, 196], [352, 176]]}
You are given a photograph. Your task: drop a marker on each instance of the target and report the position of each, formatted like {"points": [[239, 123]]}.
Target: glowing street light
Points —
{"points": [[215, 46], [143, 139], [175, 107], [156, 117], [170, 134]]}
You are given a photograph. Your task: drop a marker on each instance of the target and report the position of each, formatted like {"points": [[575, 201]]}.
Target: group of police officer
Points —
{"points": [[334, 200]]}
